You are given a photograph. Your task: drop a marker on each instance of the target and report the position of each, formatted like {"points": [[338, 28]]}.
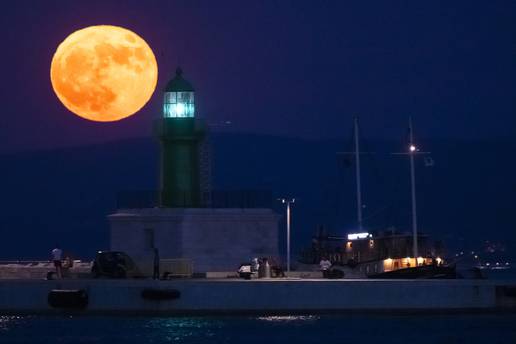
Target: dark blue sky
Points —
{"points": [[294, 68]]}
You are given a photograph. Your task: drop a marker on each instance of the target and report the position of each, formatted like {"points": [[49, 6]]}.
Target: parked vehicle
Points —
{"points": [[114, 264], [245, 271]]}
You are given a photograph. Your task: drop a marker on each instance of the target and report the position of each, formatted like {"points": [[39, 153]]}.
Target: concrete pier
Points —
{"points": [[266, 296]]}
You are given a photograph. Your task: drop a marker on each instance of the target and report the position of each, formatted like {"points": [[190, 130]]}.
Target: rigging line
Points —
{"points": [[380, 210], [378, 177], [387, 188]]}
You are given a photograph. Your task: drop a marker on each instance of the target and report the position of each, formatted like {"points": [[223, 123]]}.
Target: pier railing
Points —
{"points": [[209, 199], [178, 267]]}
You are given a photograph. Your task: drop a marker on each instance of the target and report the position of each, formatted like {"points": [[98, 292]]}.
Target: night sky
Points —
{"points": [[286, 68], [288, 76]]}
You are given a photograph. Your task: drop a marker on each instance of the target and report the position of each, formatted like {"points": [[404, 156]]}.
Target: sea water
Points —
{"points": [[345, 328]]}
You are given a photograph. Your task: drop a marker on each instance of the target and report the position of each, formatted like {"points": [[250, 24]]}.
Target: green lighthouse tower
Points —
{"points": [[180, 135]]}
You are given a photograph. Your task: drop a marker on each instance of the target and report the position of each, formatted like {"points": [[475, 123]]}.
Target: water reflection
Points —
{"points": [[7, 322], [301, 329], [178, 329], [289, 318]]}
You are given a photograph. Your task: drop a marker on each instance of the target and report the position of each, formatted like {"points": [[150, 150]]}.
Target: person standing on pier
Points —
{"points": [[57, 254], [155, 274], [325, 266]]}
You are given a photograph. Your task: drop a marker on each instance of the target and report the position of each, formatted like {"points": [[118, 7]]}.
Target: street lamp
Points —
{"points": [[288, 202]]}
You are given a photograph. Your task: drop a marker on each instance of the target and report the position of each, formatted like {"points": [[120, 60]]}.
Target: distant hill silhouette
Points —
{"points": [[63, 196]]}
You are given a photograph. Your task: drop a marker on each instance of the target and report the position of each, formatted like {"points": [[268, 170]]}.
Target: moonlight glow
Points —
{"points": [[104, 73]]}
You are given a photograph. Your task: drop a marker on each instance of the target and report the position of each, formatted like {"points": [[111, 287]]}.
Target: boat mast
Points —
{"points": [[357, 172], [412, 153]]}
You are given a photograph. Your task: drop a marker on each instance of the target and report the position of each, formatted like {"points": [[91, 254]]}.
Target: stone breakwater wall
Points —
{"points": [[274, 296]]}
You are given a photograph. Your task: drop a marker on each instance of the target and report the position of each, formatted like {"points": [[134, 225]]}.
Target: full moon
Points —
{"points": [[104, 73]]}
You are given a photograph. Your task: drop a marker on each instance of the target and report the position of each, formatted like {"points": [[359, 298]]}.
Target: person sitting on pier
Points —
{"points": [[325, 266], [255, 265], [57, 254], [66, 265], [276, 270]]}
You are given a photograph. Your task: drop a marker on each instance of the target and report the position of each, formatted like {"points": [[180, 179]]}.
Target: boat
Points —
{"points": [[423, 271], [388, 253]]}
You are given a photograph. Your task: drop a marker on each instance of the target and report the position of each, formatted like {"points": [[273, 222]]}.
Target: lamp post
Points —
{"points": [[288, 202]]}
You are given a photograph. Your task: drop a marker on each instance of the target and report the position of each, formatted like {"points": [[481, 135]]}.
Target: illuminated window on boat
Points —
{"points": [[388, 264]]}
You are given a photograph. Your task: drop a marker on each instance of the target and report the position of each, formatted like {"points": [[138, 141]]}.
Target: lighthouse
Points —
{"points": [[180, 135], [191, 232]]}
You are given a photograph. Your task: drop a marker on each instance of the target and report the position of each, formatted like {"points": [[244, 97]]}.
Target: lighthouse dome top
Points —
{"points": [[178, 98], [178, 83]]}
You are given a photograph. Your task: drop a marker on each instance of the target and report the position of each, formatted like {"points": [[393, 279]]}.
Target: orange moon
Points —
{"points": [[104, 73]]}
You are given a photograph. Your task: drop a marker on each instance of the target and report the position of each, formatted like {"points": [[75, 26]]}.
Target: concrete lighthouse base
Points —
{"points": [[213, 239]]}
